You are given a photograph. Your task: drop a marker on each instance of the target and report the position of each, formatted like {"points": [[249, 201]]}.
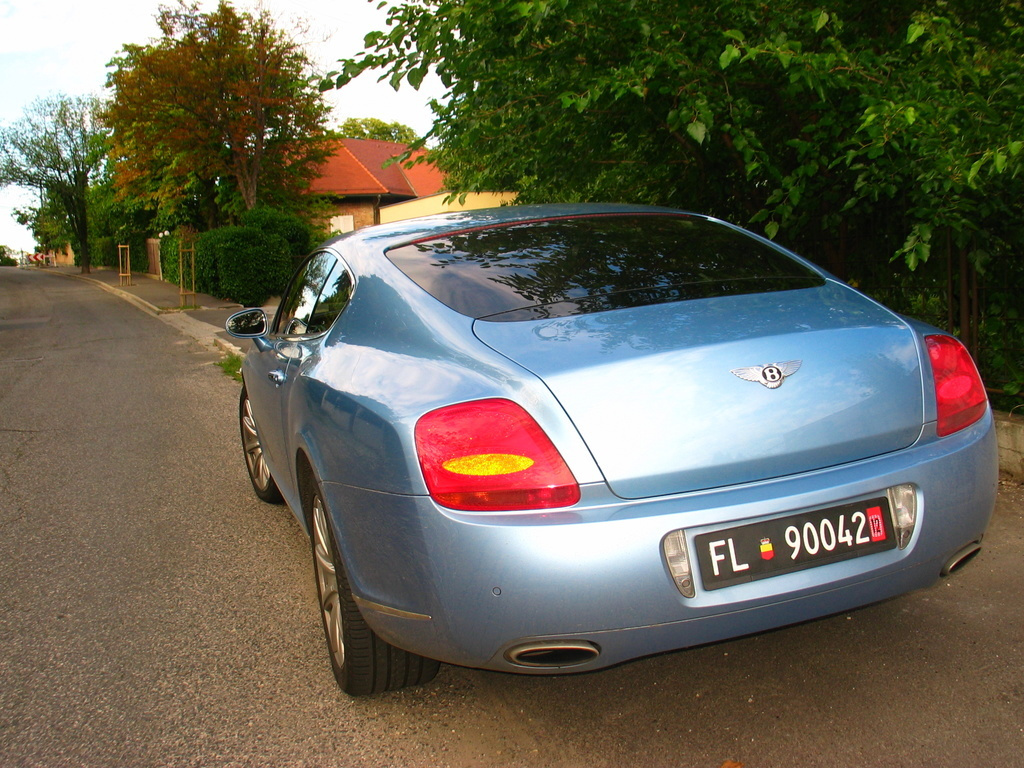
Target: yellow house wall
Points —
{"points": [[427, 206]]}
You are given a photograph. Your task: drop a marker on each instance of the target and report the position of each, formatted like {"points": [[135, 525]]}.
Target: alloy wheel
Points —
{"points": [[327, 582], [258, 469]]}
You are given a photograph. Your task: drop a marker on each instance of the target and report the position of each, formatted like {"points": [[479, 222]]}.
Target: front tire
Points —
{"points": [[362, 662], [259, 473]]}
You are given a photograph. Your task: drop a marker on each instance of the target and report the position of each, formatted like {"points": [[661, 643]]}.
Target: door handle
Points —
{"points": [[277, 377]]}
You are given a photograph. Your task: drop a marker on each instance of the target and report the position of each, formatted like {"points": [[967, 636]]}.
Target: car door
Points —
{"points": [[273, 367]]}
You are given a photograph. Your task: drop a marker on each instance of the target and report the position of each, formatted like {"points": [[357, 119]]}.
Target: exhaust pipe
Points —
{"points": [[553, 654], [960, 559]]}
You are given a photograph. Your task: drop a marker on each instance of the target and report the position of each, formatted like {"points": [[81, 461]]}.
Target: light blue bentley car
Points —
{"points": [[551, 439]]}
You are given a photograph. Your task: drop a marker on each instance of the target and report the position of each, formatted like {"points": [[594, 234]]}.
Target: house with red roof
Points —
{"points": [[358, 179]]}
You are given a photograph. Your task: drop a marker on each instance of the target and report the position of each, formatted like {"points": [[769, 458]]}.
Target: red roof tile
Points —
{"points": [[357, 168]]}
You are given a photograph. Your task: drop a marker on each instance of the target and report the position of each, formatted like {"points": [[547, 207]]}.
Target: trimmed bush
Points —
{"points": [[169, 258], [289, 226], [242, 264], [104, 252]]}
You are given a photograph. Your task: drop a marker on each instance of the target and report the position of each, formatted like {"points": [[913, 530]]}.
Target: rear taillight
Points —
{"points": [[959, 392], [490, 455]]}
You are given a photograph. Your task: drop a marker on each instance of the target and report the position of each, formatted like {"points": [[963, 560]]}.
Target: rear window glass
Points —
{"points": [[577, 265]]}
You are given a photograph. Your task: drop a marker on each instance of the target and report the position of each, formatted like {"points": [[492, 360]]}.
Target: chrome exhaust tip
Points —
{"points": [[553, 654], [961, 558]]}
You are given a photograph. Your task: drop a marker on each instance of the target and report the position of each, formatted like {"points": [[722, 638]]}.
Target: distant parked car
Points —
{"points": [[551, 439]]}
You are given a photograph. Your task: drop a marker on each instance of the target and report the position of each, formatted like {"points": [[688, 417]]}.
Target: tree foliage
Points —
{"points": [[48, 223], [375, 128], [218, 114], [783, 114], [56, 148]]}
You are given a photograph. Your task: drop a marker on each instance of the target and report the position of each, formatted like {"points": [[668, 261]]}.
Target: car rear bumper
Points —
{"points": [[470, 589]]}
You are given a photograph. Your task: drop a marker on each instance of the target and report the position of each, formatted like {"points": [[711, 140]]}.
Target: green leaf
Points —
{"points": [[729, 55], [914, 31], [1015, 147], [975, 169], [735, 34], [999, 161], [821, 21], [698, 131], [415, 77], [771, 229]]}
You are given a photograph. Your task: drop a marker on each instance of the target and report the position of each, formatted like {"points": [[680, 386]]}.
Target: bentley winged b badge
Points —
{"points": [[771, 375]]}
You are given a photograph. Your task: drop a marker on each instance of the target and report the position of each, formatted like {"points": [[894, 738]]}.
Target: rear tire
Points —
{"points": [[362, 662]]}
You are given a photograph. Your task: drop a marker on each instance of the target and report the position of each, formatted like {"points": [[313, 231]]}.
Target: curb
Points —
{"points": [[142, 304], [1010, 437]]}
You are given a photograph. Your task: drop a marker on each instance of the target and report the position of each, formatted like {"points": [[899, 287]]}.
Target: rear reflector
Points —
{"points": [[959, 391], [488, 464], [490, 455]]}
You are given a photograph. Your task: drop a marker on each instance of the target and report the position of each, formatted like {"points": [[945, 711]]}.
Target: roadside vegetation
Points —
{"points": [[231, 364]]}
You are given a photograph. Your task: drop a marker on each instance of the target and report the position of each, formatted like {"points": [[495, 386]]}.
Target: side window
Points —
{"points": [[333, 299], [299, 301]]}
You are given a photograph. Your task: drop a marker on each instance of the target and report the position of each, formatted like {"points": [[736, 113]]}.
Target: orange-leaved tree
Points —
{"points": [[217, 115]]}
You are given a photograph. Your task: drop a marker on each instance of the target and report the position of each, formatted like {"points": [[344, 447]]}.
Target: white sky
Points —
{"points": [[63, 46]]}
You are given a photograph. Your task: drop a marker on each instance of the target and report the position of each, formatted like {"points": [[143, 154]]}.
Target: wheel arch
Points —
{"points": [[305, 477]]}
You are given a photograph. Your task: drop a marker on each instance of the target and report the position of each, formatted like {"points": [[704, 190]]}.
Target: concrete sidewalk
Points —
{"points": [[204, 322]]}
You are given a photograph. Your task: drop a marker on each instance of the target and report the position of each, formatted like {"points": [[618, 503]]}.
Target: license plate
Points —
{"points": [[773, 547]]}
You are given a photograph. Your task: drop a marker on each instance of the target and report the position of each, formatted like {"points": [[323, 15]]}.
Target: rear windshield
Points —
{"points": [[577, 265]]}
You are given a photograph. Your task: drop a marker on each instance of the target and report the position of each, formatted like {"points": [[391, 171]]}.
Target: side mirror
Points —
{"points": [[248, 324]]}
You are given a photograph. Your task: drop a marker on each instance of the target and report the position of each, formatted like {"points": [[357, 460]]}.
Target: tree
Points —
{"points": [[219, 110], [781, 114], [49, 223], [374, 128], [57, 148]]}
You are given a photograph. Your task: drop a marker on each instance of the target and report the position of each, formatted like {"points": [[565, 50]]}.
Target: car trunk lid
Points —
{"points": [[707, 393]]}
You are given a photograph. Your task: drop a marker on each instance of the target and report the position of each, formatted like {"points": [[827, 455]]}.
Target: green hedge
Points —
{"points": [[169, 257], [242, 264], [297, 232], [104, 252], [248, 263]]}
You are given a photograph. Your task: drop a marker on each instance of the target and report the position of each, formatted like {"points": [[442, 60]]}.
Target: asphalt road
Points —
{"points": [[154, 613]]}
